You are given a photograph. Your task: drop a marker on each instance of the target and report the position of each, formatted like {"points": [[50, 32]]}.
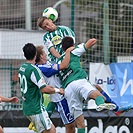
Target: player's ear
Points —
{"points": [[41, 56]]}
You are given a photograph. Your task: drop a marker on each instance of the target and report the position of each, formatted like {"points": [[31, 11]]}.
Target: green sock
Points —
{"points": [[99, 100], [50, 108], [81, 130]]}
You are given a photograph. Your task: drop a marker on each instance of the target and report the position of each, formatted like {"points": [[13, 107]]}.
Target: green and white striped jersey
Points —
{"points": [[74, 70], [53, 39], [31, 81]]}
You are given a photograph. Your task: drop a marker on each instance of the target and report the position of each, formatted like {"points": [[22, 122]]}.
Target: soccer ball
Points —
{"points": [[50, 13]]}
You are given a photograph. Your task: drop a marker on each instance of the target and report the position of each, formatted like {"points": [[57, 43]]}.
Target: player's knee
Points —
{"points": [[70, 127]]}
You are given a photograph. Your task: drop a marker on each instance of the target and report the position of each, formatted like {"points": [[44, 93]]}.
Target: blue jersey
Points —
{"points": [[49, 69], [50, 72]]}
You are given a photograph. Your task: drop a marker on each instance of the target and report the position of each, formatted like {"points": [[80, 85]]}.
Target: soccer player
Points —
{"points": [[52, 40], [77, 87], [5, 99], [50, 70], [53, 37], [32, 86]]}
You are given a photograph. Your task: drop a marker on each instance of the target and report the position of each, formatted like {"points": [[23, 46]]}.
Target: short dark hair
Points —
{"points": [[29, 51], [67, 42]]}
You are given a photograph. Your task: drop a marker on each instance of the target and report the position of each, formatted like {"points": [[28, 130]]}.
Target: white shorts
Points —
{"points": [[41, 121], [75, 93]]}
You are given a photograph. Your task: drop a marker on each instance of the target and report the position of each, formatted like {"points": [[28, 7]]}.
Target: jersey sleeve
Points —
{"points": [[79, 49], [37, 78], [47, 42], [49, 71]]}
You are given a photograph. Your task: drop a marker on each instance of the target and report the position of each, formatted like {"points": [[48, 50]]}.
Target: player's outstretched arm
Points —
{"points": [[51, 48], [12, 99], [54, 52], [64, 64]]}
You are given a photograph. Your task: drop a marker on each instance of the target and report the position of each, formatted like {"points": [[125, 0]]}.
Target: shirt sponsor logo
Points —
{"points": [[56, 40], [67, 74]]}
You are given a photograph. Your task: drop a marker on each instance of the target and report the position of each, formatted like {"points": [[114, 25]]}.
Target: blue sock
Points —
{"points": [[109, 100]]}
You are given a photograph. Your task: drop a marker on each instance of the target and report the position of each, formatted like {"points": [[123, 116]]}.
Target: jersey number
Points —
{"points": [[23, 83]]}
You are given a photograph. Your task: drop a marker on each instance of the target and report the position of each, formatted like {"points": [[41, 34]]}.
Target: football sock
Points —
{"points": [[81, 130], [99, 100], [50, 108], [109, 100]]}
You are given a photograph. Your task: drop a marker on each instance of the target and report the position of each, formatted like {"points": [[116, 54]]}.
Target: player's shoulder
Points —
{"points": [[79, 49], [81, 45], [34, 68], [45, 34], [63, 27], [27, 67], [48, 64]]}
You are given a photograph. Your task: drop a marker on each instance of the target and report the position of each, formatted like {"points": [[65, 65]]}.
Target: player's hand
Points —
{"points": [[14, 99], [61, 91], [93, 41], [70, 49]]}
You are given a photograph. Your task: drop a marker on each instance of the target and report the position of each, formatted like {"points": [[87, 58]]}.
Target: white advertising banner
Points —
{"points": [[99, 74], [116, 80]]}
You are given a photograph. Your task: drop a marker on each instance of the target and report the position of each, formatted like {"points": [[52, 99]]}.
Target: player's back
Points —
{"points": [[31, 95]]}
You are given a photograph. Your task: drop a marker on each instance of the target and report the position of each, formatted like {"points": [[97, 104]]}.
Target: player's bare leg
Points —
{"points": [[80, 124], [118, 110], [100, 101], [70, 128], [51, 130]]}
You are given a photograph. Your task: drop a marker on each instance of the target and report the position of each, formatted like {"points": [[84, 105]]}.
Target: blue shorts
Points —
{"points": [[62, 108]]}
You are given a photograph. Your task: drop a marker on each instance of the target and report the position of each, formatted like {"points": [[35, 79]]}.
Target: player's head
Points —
{"points": [[67, 42], [29, 51], [41, 55], [46, 24]]}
